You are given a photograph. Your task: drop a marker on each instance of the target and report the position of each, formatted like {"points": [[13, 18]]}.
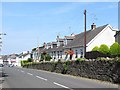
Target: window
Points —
{"points": [[58, 54], [54, 55], [81, 52], [76, 53], [61, 54]]}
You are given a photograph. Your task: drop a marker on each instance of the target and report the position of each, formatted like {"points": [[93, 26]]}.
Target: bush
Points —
{"points": [[65, 68], [79, 60], [104, 49], [24, 62], [47, 57], [117, 59], [96, 48], [68, 62], [104, 59], [115, 49], [29, 59]]}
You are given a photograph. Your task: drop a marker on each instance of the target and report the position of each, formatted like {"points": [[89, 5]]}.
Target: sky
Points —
{"points": [[28, 24]]}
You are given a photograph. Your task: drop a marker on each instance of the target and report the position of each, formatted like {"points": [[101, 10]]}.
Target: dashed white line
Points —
{"points": [[41, 78], [30, 74], [22, 71], [61, 85]]}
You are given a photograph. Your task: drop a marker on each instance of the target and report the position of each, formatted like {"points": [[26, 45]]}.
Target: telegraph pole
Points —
{"points": [[84, 32]]}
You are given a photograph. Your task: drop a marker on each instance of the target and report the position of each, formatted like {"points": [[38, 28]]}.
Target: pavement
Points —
{"points": [[15, 77]]}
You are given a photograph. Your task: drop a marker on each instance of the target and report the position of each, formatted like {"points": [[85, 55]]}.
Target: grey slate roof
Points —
{"points": [[60, 39], [70, 37], [79, 38], [60, 48], [54, 42]]}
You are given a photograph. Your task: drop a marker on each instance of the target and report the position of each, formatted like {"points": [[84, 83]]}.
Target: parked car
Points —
{"points": [[1, 69], [11, 65]]}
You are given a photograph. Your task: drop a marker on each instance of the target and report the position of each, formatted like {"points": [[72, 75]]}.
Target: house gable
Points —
{"points": [[78, 41], [106, 36]]}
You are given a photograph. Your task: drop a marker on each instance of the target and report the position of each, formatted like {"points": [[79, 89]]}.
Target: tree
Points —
{"points": [[29, 59], [48, 57], [96, 48], [104, 49], [45, 57], [115, 49]]}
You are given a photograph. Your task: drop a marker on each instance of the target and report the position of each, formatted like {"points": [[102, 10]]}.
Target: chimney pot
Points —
{"points": [[93, 26]]}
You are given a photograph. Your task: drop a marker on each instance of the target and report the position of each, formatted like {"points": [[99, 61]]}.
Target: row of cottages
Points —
{"points": [[23, 56], [94, 37], [15, 59], [10, 59]]}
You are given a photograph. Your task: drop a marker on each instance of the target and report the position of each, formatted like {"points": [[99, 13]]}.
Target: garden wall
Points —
{"points": [[101, 70], [96, 54]]}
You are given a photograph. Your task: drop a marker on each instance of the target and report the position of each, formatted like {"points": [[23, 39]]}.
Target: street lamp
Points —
{"points": [[1, 43], [1, 39], [2, 33]]}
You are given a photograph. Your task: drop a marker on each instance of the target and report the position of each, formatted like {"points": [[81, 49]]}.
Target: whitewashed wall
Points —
{"points": [[104, 37], [26, 57], [18, 61]]}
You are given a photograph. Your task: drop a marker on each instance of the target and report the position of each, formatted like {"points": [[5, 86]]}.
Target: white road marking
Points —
{"points": [[22, 71], [61, 85], [41, 78], [30, 74]]}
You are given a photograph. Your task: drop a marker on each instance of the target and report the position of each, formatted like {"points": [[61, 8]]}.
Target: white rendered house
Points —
{"points": [[94, 37]]}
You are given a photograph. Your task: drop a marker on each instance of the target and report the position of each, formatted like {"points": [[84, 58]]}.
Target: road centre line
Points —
{"points": [[61, 85], [41, 78], [22, 71], [30, 73]]}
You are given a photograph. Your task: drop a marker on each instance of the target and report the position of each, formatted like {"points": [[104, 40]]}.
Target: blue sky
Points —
{"points": [[27, 23]]}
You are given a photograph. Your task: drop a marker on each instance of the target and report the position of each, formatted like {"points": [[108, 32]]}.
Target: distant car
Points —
{"points": [[11, 65], [1, 70]]}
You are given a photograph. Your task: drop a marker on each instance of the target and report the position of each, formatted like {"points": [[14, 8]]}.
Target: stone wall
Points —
{"points": [[101, 70]]}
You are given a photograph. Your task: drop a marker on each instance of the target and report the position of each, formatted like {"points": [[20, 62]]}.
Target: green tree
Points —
{"points": [[29, 59], [96, 48], [115, 49], [47, 57], [104, 49]]}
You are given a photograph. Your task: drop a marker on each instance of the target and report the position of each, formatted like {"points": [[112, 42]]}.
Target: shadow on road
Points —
{"points": [[2, 77], [4, 74]]}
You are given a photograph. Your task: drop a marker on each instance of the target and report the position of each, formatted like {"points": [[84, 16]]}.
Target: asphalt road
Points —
{"points": [[29, 78]]}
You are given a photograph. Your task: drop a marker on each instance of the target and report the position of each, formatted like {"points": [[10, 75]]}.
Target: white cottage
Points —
{"points": [[22, 56], [94, 37]]}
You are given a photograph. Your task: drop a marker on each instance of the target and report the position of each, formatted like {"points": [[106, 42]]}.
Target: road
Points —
{"points": [[29, 78]]}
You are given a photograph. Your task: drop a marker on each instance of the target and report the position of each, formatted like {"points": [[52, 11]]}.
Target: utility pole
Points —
{"points": [[84, 32]]}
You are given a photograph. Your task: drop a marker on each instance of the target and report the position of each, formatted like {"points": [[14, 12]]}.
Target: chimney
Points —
{"points": [[93, 26], [44, 45], [58, 36]]}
